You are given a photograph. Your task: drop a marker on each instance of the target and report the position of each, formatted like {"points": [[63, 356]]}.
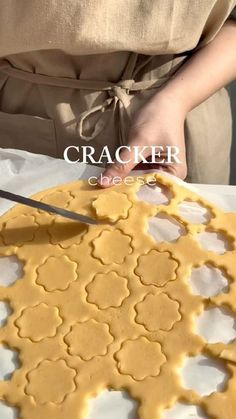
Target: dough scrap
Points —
{"points": [[107, 306]]}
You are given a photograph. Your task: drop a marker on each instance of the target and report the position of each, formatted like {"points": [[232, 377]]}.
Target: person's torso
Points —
{"points": [[82, 27]]}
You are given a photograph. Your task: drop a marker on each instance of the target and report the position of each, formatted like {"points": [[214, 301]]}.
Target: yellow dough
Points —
{"points": [[108, 307], [132, 353], [50, 382], [112, 207], [56, 273], [88, 339], [157, 312], [107, 290], [155, 268], [46, 318], [112, 247]]}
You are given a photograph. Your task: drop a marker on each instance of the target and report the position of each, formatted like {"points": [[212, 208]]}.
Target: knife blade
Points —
{"points": [[46, 207]]}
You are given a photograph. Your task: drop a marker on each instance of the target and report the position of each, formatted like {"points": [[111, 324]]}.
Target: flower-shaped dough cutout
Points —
{"points": [[107, 290], [46, 318], [89, 339], [13, 234], [66, 233], [112, 246], [112, 206], [51, 381], [157, 312], [57, 198], [140, 358], [156, 268], [56, 273]]}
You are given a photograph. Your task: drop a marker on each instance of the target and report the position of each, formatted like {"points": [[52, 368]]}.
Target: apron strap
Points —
{"points": [[118, 93]]}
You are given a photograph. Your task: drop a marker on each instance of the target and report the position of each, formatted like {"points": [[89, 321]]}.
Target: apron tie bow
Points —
{"points": [[118, 95]]}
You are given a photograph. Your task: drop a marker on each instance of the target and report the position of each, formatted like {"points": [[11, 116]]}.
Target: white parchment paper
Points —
{"points": [[26, 174]]}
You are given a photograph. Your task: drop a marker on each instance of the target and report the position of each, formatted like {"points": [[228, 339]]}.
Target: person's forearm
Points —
{"points": [[208, 70], [161, 120]]}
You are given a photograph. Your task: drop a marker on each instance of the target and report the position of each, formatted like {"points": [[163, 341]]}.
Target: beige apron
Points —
{"points": [[50, 99]]}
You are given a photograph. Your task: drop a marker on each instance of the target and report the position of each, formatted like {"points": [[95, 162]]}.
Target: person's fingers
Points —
{"points": [[138, 151], [116, 170], [121, 170], [179, 170], [128, 159]]}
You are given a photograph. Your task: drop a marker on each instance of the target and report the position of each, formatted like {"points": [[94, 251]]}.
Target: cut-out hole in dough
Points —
{"points": [[217, 325], [183, 411], [8, 412], [194, 212], [204, 374], [5, 311], [163, 227], [214, 241], [119, 403], [156, 195], [208, 281], [11, 269], [9, 362]]}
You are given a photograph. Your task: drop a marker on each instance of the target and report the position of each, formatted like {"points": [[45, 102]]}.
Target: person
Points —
{"points": [[118, 73]]}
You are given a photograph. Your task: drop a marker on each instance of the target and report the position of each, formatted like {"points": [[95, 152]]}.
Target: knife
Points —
{"points": [[46, 207]]}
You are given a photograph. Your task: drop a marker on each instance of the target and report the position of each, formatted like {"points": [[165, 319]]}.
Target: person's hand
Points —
{"points": [[160, 122]]}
